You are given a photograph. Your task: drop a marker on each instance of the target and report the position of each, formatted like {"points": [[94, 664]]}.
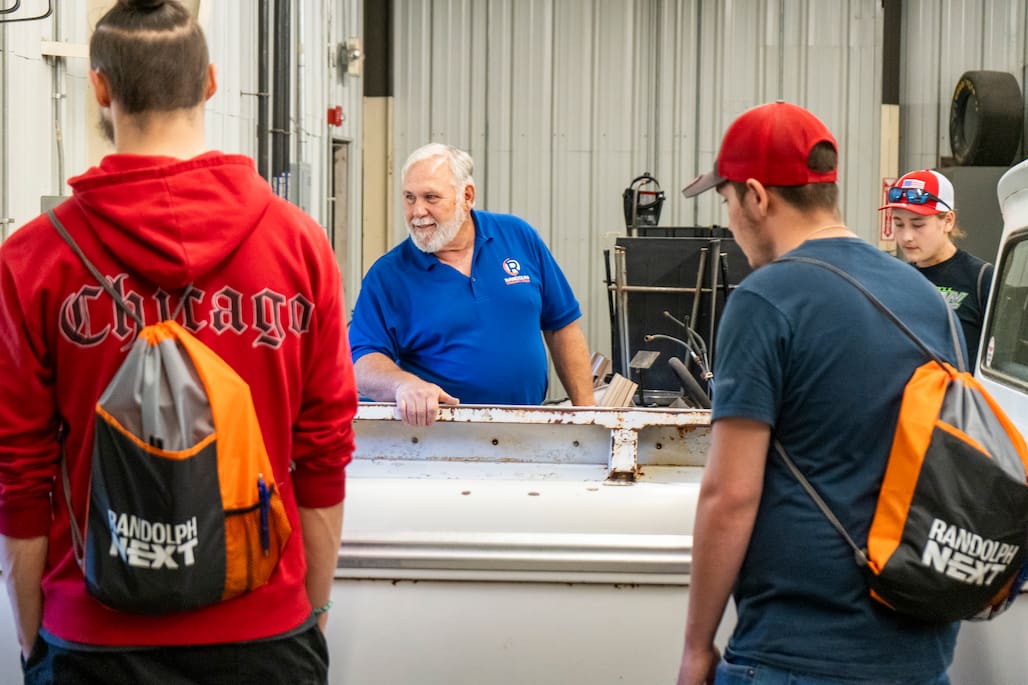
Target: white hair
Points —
{"points": [[459, 161]]}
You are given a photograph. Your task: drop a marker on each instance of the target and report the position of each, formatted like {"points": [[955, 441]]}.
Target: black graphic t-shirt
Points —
{"points": [[964, 281]]}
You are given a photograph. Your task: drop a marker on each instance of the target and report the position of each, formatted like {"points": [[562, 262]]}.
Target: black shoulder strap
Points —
{"points": [[808, 486], [104, 283], [861, 556], [77, 542], [978, 290], [118, 299]]}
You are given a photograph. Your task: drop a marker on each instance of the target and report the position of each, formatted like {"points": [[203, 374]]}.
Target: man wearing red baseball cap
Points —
{"points": [[804, 354], [924, 221]]}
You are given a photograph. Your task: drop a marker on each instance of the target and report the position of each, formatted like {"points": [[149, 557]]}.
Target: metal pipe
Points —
{"points": [[5, 219], [282, 88], [714, 273], [49, 11], [654, 289], [58, 70], [1024, 92], [621, 284], [646, 558], [301, 68], [327, 157], [263, 158], [694, 317], [611, 304], [697, 130], [669, 289], [781, 51]]}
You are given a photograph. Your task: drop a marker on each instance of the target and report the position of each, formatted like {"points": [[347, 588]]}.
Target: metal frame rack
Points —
{"points": [[662, 272]]}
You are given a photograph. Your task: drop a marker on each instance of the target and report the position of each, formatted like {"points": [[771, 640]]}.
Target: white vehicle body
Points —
{"points": [[997, 651], [518, 545]]}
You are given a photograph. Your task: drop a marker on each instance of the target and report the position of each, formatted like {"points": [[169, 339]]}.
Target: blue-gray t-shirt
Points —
{"points": [[479, 337], [803, 351]]}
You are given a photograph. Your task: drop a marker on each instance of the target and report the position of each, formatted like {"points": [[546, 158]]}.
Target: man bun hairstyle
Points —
{"points": [[153, 54], [142, 4]]}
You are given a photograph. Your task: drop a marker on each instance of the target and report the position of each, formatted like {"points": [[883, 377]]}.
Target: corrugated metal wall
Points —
{"points": [[563, 102]]}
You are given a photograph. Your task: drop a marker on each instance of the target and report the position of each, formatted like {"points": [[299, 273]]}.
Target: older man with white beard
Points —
{"points": [[454, 313]]}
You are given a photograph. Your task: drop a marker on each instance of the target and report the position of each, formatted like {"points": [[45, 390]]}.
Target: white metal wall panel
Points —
{"points": [[29, 135], [30, 145], [574, 228], [529, 89], [231, 115], [231, 27], [332, 22]]}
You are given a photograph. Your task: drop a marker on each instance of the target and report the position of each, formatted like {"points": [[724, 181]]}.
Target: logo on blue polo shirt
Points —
{"points": [[513, 269]]}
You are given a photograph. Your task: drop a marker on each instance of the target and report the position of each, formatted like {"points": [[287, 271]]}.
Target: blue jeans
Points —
{"points": [[745, 672]]}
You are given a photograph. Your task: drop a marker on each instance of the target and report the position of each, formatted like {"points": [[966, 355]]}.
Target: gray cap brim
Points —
{"points": [[702, 183]]}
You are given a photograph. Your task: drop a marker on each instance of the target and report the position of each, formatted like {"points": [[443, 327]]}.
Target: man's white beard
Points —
{"points": [[441, 236]]}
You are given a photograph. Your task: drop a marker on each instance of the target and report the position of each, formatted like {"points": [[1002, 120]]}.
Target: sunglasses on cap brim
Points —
{"points": [[915, 196]]}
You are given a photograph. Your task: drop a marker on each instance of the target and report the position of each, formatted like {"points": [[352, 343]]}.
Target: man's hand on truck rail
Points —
{"points": [[417, 401]]}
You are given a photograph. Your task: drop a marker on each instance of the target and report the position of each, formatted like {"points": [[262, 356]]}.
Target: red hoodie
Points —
{"points": [[266, 296]]}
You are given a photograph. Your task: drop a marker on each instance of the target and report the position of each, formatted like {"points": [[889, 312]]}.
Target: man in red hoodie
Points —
{"points": [[161, 214]]}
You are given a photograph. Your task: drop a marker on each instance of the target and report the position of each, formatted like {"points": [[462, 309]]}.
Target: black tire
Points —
{"points": [[986, 119]]}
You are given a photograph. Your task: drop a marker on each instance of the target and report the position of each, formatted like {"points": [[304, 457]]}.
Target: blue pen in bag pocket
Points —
{"points": [[265, 505]]}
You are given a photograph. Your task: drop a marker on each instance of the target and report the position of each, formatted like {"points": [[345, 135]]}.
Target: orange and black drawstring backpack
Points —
{"points": [[948, 537], [184, 508]]}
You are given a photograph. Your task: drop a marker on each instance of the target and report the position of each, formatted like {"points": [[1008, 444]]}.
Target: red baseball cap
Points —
{"points": [[924, 192], [770, 143]]}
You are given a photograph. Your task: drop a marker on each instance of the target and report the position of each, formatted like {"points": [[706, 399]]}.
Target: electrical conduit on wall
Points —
{"points": [[4, 175], [280, 104], [58, 70]]}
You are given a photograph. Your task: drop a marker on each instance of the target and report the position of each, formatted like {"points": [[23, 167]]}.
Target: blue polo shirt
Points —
{"points": [[478, 338]]}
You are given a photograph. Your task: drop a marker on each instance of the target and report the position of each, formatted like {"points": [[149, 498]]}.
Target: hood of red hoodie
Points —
{"points": [[172, 220]]}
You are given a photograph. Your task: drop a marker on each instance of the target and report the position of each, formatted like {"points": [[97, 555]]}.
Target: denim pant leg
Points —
{"points": [[751, 673]]}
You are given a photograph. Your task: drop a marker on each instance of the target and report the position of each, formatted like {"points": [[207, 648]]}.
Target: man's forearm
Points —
{"points": [[570, 353], [720, 540], [22, 562], [322, 531], [378, 376], [725, 514]]}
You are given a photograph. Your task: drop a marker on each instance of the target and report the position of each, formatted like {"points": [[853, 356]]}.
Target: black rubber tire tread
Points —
{"points": [[986, 119]]}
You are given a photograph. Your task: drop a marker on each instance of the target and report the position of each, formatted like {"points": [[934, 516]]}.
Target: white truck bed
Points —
{"points": [[535, 545]]}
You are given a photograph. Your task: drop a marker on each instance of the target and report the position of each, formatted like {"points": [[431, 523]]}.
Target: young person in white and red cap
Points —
{"points": [[924, 219], [804, 355]]}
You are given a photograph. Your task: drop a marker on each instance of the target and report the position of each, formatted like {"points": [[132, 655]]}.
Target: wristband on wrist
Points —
{"points": [[318, 611]]}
